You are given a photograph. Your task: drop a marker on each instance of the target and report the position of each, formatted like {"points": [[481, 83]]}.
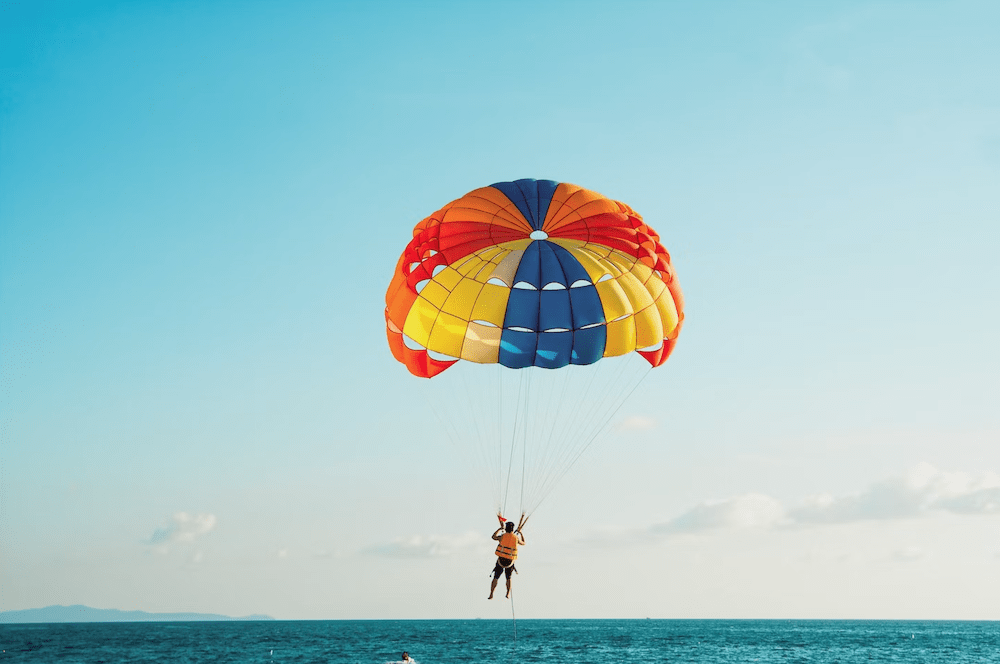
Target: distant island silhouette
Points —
{"points": [[80, 613]]}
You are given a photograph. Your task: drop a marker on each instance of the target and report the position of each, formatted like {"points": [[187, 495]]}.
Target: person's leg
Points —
{"points": [[509, 570], [497, 570]]}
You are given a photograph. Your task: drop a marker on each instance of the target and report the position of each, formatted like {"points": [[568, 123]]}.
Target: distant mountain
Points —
{"points": [[80, 613]]}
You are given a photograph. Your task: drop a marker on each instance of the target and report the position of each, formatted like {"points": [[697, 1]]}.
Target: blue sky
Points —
{"points": [[201, 205]]}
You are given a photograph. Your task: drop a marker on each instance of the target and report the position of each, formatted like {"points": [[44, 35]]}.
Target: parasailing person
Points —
{"points": [[508, 540], [554, 301]]}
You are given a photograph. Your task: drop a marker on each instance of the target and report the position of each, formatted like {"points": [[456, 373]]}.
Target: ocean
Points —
{"points": [[549, 641]]}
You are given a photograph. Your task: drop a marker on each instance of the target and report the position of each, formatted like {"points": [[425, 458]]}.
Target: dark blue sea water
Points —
{"points": [[550, 641]]}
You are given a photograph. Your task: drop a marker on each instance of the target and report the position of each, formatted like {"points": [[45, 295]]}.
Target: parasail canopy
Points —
{"points": [[532, 273]]}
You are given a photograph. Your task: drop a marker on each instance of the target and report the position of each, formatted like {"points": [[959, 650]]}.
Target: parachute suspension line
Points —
{"points": [[470, 439], [545, 448], [607, 420], [479, 414], [586, 433], [449, 426], [482, 432], [561, 402], [499, 439], [551, 404], [513, 441], [555, 417], [541, 396], [597, 433], [575, 423], [546, 405], [581, 432], [606, 398], [524, 449]]}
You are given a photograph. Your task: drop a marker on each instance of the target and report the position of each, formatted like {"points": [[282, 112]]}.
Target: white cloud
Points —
{"points": [[983, 501], [921, 491], [887, 500], [429, 546], [637, 423], [752, 510], [183, 527]]}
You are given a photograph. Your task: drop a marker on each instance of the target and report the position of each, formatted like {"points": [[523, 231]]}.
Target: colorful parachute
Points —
{"points": [[532, 273]]}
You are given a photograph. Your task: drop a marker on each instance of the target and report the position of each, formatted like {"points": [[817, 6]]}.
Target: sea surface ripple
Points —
{"points": [[482, 641]]}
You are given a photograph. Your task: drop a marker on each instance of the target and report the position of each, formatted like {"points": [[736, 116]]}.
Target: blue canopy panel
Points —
{"points": [[549, 322], [571, 267], [532, 198], [529, 270], [554, 311], [554, 349], [522, 310], [588, 344], [517, 349], [552, 272]]}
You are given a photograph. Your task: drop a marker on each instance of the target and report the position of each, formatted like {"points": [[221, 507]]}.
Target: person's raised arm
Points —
{"points": [[524, 522]]}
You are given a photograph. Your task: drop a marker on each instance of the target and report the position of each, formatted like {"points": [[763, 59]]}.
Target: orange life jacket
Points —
{"points": [[507, 548]]}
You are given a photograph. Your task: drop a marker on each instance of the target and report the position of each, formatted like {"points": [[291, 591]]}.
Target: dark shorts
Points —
{"points": [[504, 565]]}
